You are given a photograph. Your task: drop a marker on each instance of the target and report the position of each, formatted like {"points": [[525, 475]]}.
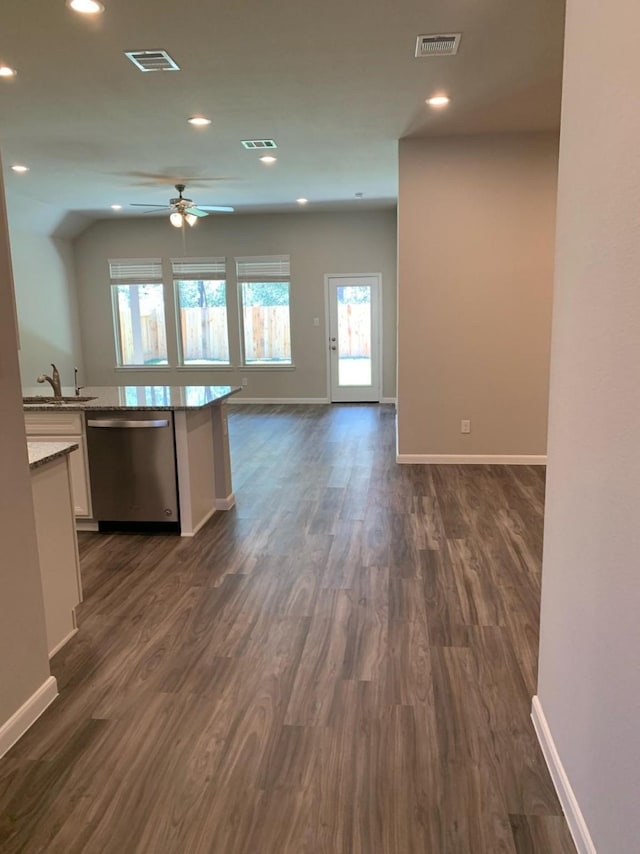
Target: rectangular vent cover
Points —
{"points": [[259, 143], [443, 44], [152, 60]]}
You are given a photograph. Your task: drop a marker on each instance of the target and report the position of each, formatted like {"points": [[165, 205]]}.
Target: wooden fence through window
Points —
{"points": [[267, 335], [204, 334], [354, 330], [153, 336], [266, 329]]}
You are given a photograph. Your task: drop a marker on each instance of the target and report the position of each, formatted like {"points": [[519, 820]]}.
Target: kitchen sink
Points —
{"points": [[55, 401]]}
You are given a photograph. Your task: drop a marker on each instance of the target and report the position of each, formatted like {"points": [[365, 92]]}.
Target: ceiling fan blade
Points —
{"points": [[154, 179], [192, 209], [141, 205], [218, 208]]}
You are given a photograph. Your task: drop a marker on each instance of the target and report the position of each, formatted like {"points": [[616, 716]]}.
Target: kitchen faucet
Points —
{"points": [[53, 381], [77, 387]]}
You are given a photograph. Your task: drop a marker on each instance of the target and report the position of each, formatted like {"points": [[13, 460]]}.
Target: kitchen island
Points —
{"points": [[196, 416]]}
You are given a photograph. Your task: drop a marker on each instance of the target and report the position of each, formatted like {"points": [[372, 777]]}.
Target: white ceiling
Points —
{"points": [[335, 84]]}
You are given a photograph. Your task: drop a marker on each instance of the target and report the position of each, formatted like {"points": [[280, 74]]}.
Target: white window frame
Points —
{"points": [[134, 271], [199, 269], [262, 269]]}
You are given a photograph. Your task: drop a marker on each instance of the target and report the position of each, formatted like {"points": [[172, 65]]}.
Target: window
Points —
{"points": [[263, 286], [138, 312], [201, 298]]}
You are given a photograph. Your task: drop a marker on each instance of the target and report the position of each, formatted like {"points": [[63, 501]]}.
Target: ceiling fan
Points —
{"points": [[185, 210]]}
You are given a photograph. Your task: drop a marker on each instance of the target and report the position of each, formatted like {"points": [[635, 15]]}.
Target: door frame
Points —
{"points": [[327, 325]]}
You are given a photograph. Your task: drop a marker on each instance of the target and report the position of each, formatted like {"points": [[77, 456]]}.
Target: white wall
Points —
{"points": [[476, 219], [319, 243], [24, 664], [589, 670]]}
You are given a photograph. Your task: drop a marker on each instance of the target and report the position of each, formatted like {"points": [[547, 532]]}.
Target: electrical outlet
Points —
{"points": [[465, 426], [316, 321], [244, 381]]}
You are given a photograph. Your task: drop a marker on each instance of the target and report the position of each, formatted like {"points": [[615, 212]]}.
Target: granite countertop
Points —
{"points": [[43, 452], [133, 397]]}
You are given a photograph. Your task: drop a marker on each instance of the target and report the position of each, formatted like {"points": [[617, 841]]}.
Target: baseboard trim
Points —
{"points": [[472, 459], [86, 525], [226, 503], [573, 814], [220, 504], [65, 640], [276, 400], [27, 714], [319, 401], [200, 524]]}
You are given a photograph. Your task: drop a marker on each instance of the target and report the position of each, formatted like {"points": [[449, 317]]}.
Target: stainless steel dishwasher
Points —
{"points": [[132, 470]]}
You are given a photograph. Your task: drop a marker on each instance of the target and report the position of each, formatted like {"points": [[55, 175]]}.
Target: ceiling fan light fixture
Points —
{"points": [[438, 101], [176, 219], [191, 219], [86, 7]]}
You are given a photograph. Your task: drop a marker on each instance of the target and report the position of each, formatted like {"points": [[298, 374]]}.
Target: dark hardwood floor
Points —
{"points": [[343, 664]]}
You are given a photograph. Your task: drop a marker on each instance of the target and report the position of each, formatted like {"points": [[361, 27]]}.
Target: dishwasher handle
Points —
{"points": [[123, 423]]}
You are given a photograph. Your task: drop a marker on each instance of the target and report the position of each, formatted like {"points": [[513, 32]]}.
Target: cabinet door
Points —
{"points": [[79, 477], [57, 548]]}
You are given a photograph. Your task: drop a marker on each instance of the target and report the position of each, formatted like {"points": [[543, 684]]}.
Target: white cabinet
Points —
{"points": [[65, 427], [57, 548]]}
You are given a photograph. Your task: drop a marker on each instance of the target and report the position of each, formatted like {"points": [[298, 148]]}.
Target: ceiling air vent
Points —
{"points": [[152, 60], [443, 44], [254, 144]]}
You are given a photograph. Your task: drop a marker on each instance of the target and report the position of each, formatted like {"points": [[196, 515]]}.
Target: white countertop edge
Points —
{"points": [[43, 452]]}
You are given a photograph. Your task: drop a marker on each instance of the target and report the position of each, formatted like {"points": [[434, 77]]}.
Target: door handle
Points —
{"points": [[121, 422]]}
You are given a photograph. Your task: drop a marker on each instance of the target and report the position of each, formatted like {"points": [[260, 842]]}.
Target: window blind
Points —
{"points": [[134, 270], [199, 268], [263, 268]]}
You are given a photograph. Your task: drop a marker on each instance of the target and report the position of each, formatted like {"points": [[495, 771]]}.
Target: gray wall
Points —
{"points": [[589, 672], [24, 664], [319, 243], [44, 276], [476, 219]]}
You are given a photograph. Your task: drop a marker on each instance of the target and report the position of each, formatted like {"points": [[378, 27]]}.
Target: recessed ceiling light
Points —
{"points": [[268, 159], [116, 207], [199, 121], [19, 167], [86, 7], [5, 71], [302, 201], [438, 101]]}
